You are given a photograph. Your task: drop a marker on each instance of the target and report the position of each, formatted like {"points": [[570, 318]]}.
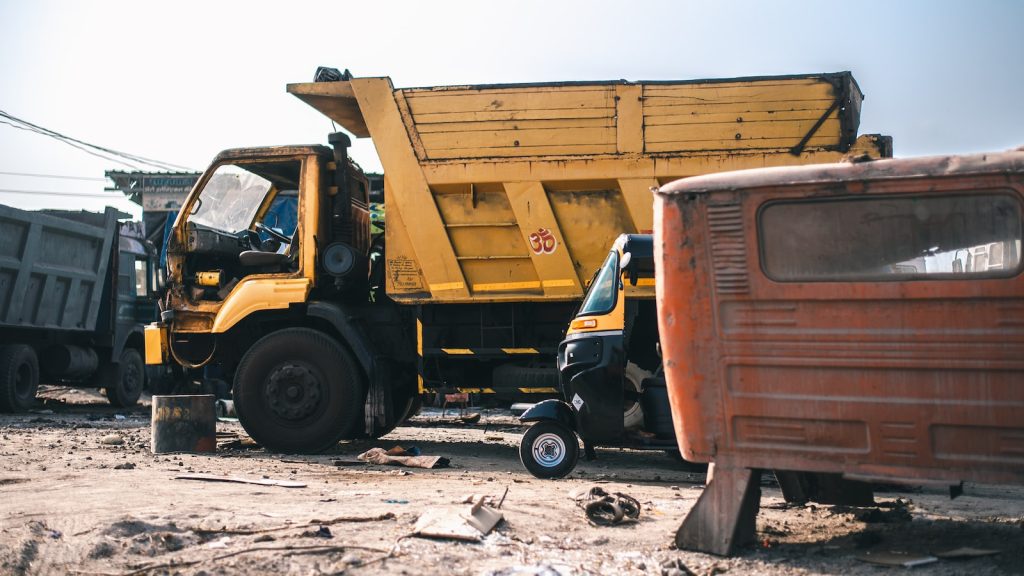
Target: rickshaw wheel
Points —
{"points": [[549, 450]]}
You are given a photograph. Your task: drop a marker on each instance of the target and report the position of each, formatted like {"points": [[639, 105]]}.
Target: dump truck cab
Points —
{"points": [[273, 243], [240, 242]]}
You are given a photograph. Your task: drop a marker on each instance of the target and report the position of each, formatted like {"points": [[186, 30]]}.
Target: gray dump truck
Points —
{"points": [[75, 291]]}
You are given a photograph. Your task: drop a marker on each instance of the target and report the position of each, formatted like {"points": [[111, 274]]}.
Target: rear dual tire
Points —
{"points": [[19, 377], [125, 380]]}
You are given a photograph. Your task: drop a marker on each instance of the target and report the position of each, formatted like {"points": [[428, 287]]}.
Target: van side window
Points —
{"points": [[891, 238]]}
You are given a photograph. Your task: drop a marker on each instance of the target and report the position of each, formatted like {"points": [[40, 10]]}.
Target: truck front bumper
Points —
{"points": [[157, 351]]}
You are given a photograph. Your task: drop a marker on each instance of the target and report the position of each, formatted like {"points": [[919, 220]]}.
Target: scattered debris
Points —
{"points": [[349, 462], [112, 440], [966, 552], [240, 480], [534, 570], [488, 500], [904, 559], [675, 567], [380, 456], [320, 532], [314, 522], [608, 509], [219, 543], [125, 466], [471, 418], [102, 550], [393, 501], [470, 523], [897, 515]]}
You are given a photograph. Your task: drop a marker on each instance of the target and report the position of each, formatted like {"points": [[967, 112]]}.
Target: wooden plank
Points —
{"points": [[711, 117], [550, 124], [718, 107], [506, 89], [755, 92], [747, 130], [547, 114], [812, 81], [732, 144], [664, 168], [563, 150], [520, 101], [629, 119], [514, 138]]}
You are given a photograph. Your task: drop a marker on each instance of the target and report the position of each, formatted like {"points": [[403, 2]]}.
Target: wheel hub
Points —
{"points": [[293, 391], [549, 450], [130, 378]]}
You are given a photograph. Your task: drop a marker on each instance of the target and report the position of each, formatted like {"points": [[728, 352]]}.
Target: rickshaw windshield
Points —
{"points": [[600, 298]]}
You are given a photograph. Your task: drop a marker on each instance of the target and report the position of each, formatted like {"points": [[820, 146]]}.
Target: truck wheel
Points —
{"points": [[19, 377], [298, 390], [123, 381], [549, 450]]}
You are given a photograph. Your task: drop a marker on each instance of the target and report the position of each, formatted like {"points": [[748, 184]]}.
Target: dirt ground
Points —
{"points": [[81, 493]]}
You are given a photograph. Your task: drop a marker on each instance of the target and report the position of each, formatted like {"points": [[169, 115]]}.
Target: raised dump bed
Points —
{"points": [[857, 319], [515, 192], [52, 268]]}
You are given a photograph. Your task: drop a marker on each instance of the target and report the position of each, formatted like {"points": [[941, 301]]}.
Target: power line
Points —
{"points": [[24, 124], [68, 194], [62, 177], [73, 145]]}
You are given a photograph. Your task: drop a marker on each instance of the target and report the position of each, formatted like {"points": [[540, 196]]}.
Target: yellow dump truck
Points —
{"points": [[501, 202]]}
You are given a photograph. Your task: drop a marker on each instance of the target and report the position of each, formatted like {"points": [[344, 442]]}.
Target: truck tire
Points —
{"points": [[123, 381], [19, 377], [298, 390]]}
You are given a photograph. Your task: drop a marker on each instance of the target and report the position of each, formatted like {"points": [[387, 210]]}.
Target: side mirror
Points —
{"points": [[624, 265]]}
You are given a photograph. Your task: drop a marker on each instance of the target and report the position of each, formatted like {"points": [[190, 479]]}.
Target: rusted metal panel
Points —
{"points": [[882, 339]]}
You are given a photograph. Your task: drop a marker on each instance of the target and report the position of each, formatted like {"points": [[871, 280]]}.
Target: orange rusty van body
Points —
{"points": [[857, 318]]}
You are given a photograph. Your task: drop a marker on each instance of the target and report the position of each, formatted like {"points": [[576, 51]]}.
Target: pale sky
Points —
{"points": [[179, 81]]}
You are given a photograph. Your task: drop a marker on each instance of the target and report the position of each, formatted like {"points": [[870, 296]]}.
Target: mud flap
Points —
{"points": [[377, 411]]}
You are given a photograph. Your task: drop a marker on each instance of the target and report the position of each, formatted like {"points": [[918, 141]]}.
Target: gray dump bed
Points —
{"points": [[53, 267]]}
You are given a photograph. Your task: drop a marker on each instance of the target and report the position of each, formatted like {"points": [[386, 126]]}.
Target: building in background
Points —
{"points": [[160, 194]]}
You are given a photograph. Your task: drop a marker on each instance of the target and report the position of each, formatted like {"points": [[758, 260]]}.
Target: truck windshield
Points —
{"points": [[230, 199], [600, 298]]}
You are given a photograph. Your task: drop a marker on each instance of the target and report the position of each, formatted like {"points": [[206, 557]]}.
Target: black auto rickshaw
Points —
{"points": [[613, 393]]}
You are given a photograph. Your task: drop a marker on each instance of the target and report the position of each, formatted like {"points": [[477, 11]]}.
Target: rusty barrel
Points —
{"points": [[184, 424]]}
